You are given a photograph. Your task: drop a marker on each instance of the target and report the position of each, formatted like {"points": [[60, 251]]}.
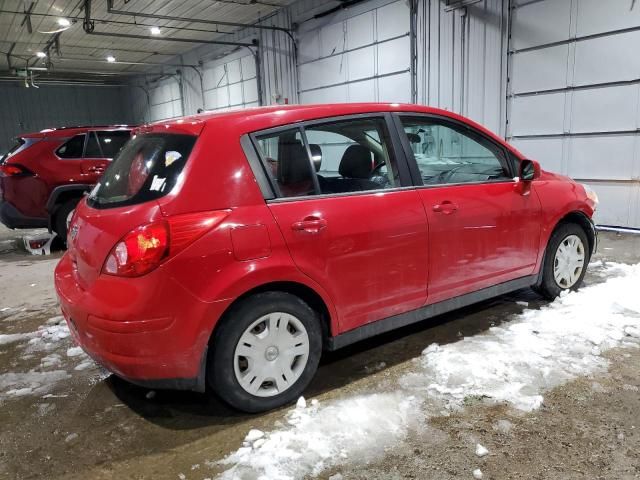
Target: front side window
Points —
{"points": [[448, 153], [147, 168], [72, 148]]}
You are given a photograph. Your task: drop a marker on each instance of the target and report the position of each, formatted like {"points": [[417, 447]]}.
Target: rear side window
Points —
{"points": [[93, 149], [72, 148], [147, 168], [112, 142]]}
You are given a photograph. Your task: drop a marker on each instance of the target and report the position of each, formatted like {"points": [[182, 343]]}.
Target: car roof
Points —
{"points": [[71, 131], [253, 119]]}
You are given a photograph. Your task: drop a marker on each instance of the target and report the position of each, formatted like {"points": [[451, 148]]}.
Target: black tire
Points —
{"points": [[221, 376], [60, 219], [548, 287]]}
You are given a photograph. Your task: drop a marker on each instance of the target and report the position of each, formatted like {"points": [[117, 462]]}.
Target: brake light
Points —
{"points": [[13, 170], [144, 248], [140, 251]]}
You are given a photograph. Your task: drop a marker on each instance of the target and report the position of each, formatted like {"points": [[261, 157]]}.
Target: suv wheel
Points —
{"points": [[565, 262], [63, 217], [265, 352]]}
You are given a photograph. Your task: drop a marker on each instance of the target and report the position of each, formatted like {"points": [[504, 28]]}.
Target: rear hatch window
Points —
{"points": [[20, 145], [146, 168]]}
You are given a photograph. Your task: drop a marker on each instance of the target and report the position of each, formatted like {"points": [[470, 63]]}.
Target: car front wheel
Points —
{"points": [[566, 260], [265, 352]]}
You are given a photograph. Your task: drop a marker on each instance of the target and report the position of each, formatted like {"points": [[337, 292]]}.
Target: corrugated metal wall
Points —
{"points": [[361, 54], [574, 98], [462, 61], [231, 82], [203, 90], [26, 110]]}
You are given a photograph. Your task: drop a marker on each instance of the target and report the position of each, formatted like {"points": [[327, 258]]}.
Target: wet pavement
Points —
{"points": [[89, 424]]}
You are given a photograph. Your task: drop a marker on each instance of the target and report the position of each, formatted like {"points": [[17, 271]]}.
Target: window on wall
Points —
{"points": [[447, 153], [72, 148]]}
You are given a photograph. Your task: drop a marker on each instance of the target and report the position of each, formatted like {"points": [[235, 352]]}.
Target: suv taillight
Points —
{"points": [[145, 247], [13, 170]]}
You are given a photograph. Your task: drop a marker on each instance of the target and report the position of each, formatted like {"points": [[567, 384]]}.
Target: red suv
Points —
{"points": [[45, 174], [230, 249]]}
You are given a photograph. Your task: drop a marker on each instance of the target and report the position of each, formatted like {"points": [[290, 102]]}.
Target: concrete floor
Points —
{"points": [[92, 425]]}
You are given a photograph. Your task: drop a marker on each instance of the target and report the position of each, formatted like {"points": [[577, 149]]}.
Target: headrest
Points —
{"points": [[316, 155], [356, 162], [293, 164]]}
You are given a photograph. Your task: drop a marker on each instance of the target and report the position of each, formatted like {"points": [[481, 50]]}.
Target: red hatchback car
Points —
{"points": [[230, 249], [45, 174]]}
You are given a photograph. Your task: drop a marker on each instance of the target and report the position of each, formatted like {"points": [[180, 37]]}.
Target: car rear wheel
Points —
{"points": [[63, 218], [565, 262], [265, 352]]}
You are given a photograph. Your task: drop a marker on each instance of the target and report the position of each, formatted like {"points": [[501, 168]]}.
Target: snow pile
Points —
{"points": [[540, 350], [48, 339], [356, 428], [29, 383], [514, 363], [14, 337]]}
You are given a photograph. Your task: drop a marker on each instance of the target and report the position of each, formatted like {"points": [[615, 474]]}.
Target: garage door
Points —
{"points": [[164, 100], [358, 56], [574, 96], [230, 82]]}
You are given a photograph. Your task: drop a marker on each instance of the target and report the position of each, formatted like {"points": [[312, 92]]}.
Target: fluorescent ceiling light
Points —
{"points": [[64, 22], [111, 59], [155, 30], [41, 54]]}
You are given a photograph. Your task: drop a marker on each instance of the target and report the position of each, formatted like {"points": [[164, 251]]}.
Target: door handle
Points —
{"points": [[310, 225], [445, 207]]}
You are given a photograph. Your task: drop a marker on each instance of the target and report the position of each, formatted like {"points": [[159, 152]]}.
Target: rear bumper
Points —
{"points": [[117, 322], [13, 218]]}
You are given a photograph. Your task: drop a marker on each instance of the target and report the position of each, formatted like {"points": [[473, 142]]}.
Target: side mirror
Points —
{"points": [[529, 170]]}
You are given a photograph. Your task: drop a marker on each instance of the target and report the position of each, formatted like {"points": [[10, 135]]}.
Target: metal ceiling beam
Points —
{"points": [[114, 22], [172, 39], [27, 18], [172, 18], [117, 62]]}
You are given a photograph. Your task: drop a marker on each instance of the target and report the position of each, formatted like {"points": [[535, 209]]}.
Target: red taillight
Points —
{"points": [[140, 251], [144, 248], [13, 170]]}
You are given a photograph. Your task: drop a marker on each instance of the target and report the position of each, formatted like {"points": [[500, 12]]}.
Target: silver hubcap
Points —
{"points": [[568, 262], [271, 354]]}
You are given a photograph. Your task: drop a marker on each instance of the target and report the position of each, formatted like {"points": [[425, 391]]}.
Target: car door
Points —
{"points": [[350, 218], [484, 228]]}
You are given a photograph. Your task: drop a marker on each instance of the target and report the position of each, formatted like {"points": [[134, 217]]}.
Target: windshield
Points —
{"points": [[146, 168]]}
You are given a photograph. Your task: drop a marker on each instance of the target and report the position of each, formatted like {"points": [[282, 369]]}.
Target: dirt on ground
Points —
{"points": [[87, 424]]}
